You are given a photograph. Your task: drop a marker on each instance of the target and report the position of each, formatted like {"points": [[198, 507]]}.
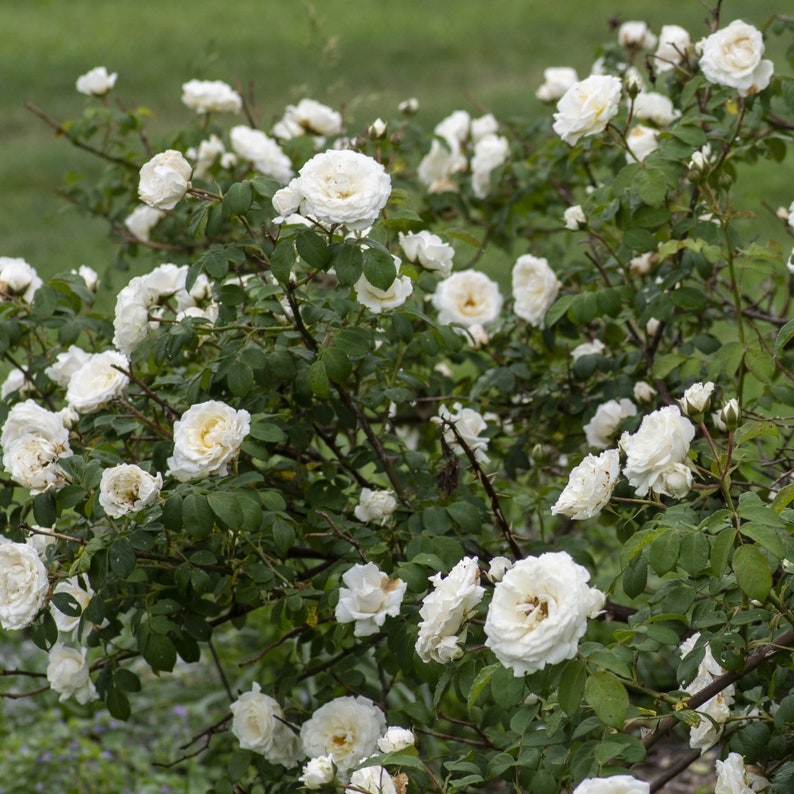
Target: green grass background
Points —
{"points": [[363, 54]]}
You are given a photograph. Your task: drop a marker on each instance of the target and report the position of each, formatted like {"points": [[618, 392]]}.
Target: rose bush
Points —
{"points": [[324, 399]]}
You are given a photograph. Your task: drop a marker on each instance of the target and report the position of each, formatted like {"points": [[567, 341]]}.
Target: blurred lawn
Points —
{"points": [[365, 55]]}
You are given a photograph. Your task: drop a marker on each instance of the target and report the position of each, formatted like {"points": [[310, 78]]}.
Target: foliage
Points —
{"points": [[242, 563]]}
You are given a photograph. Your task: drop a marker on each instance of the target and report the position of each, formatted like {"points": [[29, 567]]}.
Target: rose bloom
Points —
{"points": [[598, 431], [308, 117], [733, 777], [258, 723], [164, 180], [127, 488], [142, 220], [468, 297], [674, 481], [589, 487], [73, 587], [131, 321], [68, 674], [696, 399], [369, 597], [451, 602], [643, 264], [587, 107], [265, 154], [439, 164], [483, 126], [98, 381], [643, 392], [428, 250], [733, 57], [539, 612], [375, 506], [454, 127], [96, 82], [617, 784], [32, 461], [636, 34], [396, 739], [535, 288], [469, 424], [209, 151], [372, 780], [15, 383], [596, 347], [206, 439], [337, 188], [556, 81], [498, 567], [28, 418], [318, 772], [376, 299], [662, 440], [40, 540], [211, 96], [346, 728], [17, 277], [641, 141], [489, 153], [655, 107], [23, 585], [574, 217], [674, 43]]}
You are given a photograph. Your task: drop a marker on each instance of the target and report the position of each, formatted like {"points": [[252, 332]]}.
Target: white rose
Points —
{"points": [[131, 321], [733, 777], [696, 399], [265, 154], [596, 347], [23, 585], [409, 106], [428, 250], [556, 81], [662, 439], [589, 487], [98, 381], [539, 612], [375, 506], [338, 188], [733, 57], [164, 180], [308, 117], [454, 127], [498, 567], [656, 108], [535, 288], [468, 297], [642, 264], [66, 364], [643, 392], [40, 540], [437, 166], [377, 300], [127, 488], [209, 150], [211, 96], [445, 609], [206, 439], [632, 80], [15, 383], [574, 217], [89, 275], [598, 431], [32, 461], [468, 424], [346, 728], [701, 159], [641, 141], [96, 82], [318, 772], [587, 107], [258, 723], [484, 125], [28, 418], [142, 220], [490, 152], [396, 739], [372, 780], [369, 597], [674, 481], [636, 34], [17, 277], [617, 784], [729, 415], [68, 674], [73, 587], [674, 43]]}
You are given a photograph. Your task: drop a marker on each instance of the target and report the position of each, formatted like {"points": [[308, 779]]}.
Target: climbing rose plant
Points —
{"points": [[462, 454]]}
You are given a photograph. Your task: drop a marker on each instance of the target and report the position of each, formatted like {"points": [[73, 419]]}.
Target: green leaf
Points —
{"points": [[44, 509], [240, 379], [45, 302], [226, 507], [572, 684], [608, 697], [238, 199], [765, 536], [635, 576], [121, 557], [650, 185], [584, 307], [118, 704], [159, 652], [281, 261], [313, 249], [317, 378], [197, 515], [721, 550], [67, 603], [337, 364], [559, 309], [349, 264], [752, 572], [379, 268], [694, 554], [354, 341], [663, 551], [481, 681]]}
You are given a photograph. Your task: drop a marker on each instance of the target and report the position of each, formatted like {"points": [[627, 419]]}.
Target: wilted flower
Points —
{"points": [[556, 81], [68, 674], [535, 288], [164, 180], [598, 431], [445, 609], [375, 506], [211, 96], [587, 107], [468, 424], [96, 82], [539, 612], [590, 486], [369, 597]]}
